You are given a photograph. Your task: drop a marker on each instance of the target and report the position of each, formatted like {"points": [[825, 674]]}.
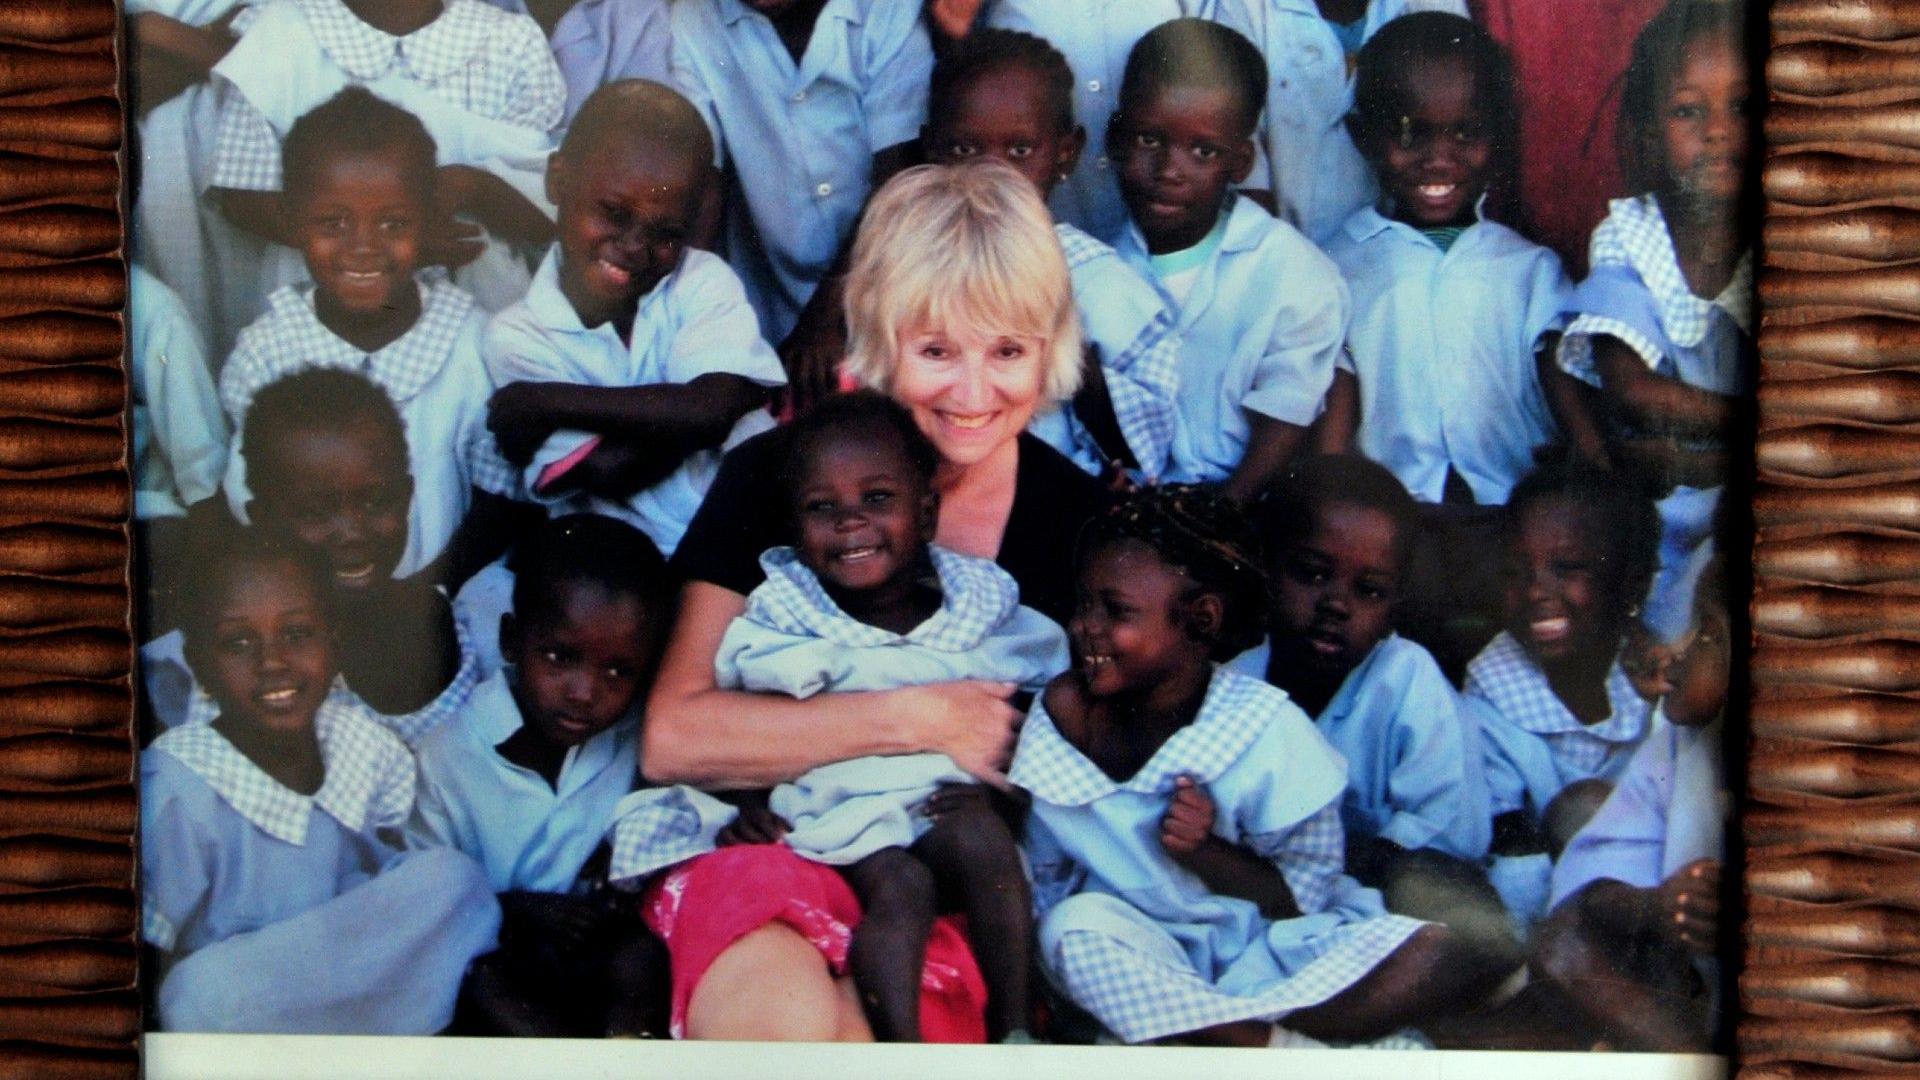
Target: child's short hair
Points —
{"points": [[1631, 525], [857, 414], [221, 549], [592, 548], [993, 49], [1380, 90], [1206, 535], [356, 120], [959, 246], [1658, 54], [1285, 517], [644, 111], [1197, 53], [309, 400]]}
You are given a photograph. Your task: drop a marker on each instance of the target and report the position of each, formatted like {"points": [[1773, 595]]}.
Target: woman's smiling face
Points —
{"points": [[970, 392]]}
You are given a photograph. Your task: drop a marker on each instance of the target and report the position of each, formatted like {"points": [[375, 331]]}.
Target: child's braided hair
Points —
{"points": [[1205, 535]]}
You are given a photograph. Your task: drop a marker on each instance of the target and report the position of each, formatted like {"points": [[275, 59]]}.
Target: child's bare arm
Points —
{"points": [[1093, 404], [479, 194], [1186, 832], [1271, 444], [257, 212], [193, 50], [1655, 403], [1333, 433], [491, 523], [697, 414], [1574, 408]]}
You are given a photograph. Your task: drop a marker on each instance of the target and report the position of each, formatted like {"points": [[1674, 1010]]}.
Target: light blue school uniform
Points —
{"points": [[282, 912], [694, 322], [1142, 943], [1637, 293], [1413, 768], [527, 835], [601, 41], [179, 433], [1261, 324], [1442, 344], [799, 138], [1134, 328], [477, 607], [794, 640], [1317, 176]]}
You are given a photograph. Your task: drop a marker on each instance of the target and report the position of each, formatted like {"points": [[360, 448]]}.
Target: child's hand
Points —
{"points": [[756, 825], [450, 242], [1189, 820], [812, 354], [1690, 905], [517, 417]]}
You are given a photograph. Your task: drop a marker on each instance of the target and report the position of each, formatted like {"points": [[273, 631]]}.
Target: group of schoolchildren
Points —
{"points": [[419, 283]]}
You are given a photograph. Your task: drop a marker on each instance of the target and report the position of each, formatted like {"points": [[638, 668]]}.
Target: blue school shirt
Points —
{"points": [[179, 433], [1413, 768], [601, 41], [1442, 344], [1260, 328], [694, 322], [798, 140], [527, 836]]}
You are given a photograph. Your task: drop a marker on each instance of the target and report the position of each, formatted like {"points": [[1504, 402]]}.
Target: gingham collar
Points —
{"points": [[1504, 674], [361, 759], [1635, 233], [976, 596], [431, 53], [406, 364], [1236, 711]]}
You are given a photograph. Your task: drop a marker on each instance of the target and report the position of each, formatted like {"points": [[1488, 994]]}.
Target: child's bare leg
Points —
{"points": [[889, 946], [1431, 885], [974, 858], [638, 982], [1571, 810], [1637, 988], [1430, 975]]}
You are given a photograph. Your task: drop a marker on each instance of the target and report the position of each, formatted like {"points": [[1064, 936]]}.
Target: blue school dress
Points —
{"points": [[1413, 766], [1637, 293], [1140, 942], [282, 912], [794, 640], [179, 433]]}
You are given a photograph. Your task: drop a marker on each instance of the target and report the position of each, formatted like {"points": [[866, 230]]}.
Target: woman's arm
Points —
{"points": [[697, 733]]}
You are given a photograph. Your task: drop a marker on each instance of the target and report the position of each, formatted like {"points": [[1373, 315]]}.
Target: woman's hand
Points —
{"points": [[971, 722]]}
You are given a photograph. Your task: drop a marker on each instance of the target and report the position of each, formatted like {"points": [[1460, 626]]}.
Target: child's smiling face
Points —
{"points": [[1703, 122], [625, 212], [266, 649], [1130, 629], [1335, 589], [1563, 584], [345, 493], [1176, 150], [359, 224], [862, 514], [1437, 163], [581, 661], [1005, 114]]}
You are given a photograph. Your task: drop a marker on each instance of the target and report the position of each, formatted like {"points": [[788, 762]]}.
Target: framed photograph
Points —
{"points": [[111, 138]]}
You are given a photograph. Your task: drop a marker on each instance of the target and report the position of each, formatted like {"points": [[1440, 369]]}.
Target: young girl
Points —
{"points": [[1662, 324], [1185, 839], [272, 884], [1558, 716], [526, 780], [358, 175], [863, 602], [1635, 927], [1007, 95]]}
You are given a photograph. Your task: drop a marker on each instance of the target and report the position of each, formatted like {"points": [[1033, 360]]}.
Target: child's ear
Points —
{"points": [[1206, 616], [556, 177], [509, 634], [1242, 159], [929, 514], [1070, 150]]}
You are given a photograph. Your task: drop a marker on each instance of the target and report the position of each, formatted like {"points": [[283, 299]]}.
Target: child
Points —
{"points": [[1636, 895], [482, 81], [1262, 311], [271, 883], [1558, 717], [1449, 310], [812, 104], [634, 357], [357, 175], [526, 781], [1007, 95], [1661, 325], [862, 602], [1185, 839]]}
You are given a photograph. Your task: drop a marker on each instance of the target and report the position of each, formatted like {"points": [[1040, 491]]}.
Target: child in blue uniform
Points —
{"points": [[1185, 839], [1262, 311], [862, 601], [1662, 325], [1007, 95], [525, 783], [272, 881], [1557, 715], [634, 358]]}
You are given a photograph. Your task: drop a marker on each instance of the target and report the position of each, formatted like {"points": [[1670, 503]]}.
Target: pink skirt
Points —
{"points": [[701, 907]]}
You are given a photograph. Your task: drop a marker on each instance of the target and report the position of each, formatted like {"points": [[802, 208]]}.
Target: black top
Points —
{"points": [[744, 514]]}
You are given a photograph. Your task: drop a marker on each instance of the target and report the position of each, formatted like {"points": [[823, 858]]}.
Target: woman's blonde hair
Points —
{"points": [[960, 247]]}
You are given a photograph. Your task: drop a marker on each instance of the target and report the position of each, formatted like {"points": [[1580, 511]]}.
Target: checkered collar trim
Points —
{"points": [[1635, 235], [1504, 674], [976, 597], [360, 758], [406, 364], [431, 53], [1235, 713]]}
